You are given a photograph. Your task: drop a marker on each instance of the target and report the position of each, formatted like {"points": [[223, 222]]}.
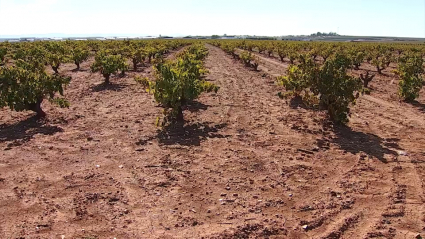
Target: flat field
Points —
{"points": [[246, 164]]}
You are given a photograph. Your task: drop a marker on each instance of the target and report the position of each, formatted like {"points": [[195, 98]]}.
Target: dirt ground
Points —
{"points": [[245, 165]]}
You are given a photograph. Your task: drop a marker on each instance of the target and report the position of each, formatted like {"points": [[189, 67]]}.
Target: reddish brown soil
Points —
{"points": [[245, 165]]}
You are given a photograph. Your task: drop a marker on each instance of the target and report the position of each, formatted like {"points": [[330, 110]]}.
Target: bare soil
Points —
{"points": [[246, 164]]}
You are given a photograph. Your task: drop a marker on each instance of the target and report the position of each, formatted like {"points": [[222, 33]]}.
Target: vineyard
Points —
{"points": [[212, 139]]}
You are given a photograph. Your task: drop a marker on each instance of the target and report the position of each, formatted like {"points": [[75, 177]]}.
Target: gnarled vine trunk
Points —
{"points": [[107, 76], [36, 107], [55, 69], [78, 65], [179, 116]]}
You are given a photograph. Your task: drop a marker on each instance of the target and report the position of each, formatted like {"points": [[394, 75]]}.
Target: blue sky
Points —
{"points": [[404, 18]]}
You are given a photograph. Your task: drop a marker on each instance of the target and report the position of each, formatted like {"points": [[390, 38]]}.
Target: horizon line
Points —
{"points": [[65, 35]]}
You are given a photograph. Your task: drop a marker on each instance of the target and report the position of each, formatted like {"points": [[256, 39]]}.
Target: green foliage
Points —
{"points": [[179, 82], [326, 52], [230, 49], [255, 62], [3, 53], [336, 89], [388, 58], [314, 53], [94, 45], [246, 57], [356, 57], [261, 48], [250, 59], [249, 46], [32, 58], [56, 54], [328, 86], [282, 52], [151, 52], [379, 63], [23, 89], [293, 53], [144, 81], [299, 79], [381, 58], [108, 64], [79, 55], [270, 47], [410, 70], [137, 56], [24, 82]]}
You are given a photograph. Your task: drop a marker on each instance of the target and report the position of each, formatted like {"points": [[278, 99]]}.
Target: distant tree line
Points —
{"points": [[324, 34]]}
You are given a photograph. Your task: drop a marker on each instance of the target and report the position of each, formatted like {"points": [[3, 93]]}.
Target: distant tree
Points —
{"points": [[320, 34]]}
